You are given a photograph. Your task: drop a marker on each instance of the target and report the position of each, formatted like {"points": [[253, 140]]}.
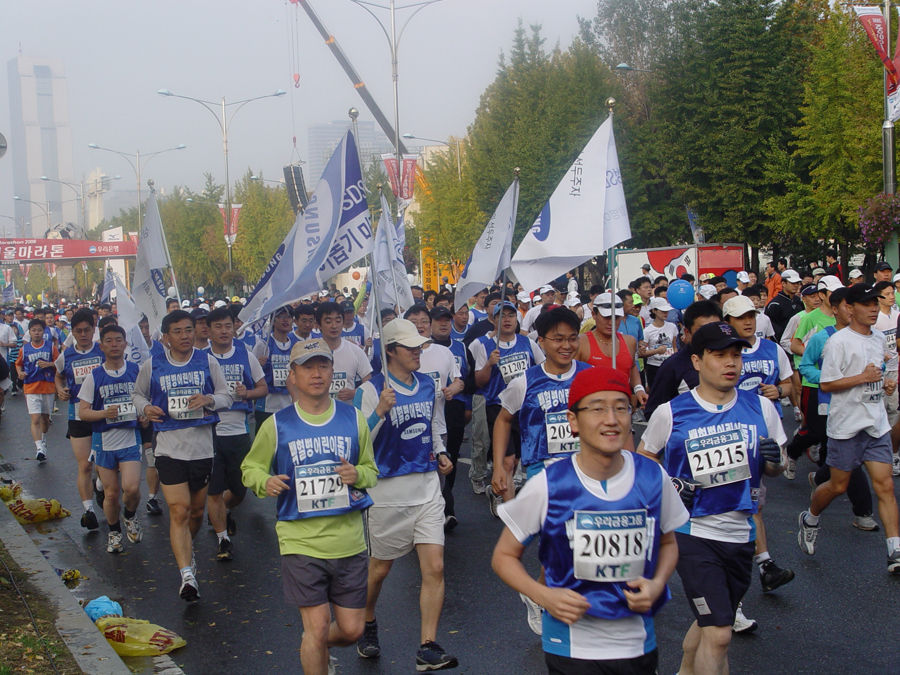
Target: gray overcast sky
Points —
{"points": [[118, 54]]}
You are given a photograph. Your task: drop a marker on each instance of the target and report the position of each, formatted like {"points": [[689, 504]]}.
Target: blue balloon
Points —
{"points": [[680, 294]]}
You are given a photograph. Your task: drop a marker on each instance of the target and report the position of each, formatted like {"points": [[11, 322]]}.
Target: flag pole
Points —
{"points": [[503, 276], [162, 231], [611, 264]]}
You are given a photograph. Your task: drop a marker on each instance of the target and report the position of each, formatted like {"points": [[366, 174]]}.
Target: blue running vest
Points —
{"points": [[513, 362], [30, 357], [403, 444], [112, 390], [171, 386], [76, 366], [278, 364], [236, 370]]}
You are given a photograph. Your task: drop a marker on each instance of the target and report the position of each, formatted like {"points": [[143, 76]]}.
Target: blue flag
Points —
{"points": [[109, 285], [9, 293]]}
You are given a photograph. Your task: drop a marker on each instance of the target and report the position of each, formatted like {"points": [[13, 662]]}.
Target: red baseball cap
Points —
{"points": [[598, 378]]}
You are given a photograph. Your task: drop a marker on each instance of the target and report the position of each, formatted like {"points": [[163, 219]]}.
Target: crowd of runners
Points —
{"points": [[357, 436]]}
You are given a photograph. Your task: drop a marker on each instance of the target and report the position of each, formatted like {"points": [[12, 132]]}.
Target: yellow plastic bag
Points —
{"points": [[36, 510], [10, 492], [134, 637]]}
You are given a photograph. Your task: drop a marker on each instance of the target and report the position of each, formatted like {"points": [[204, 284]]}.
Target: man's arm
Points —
{"points": [[256, 467]]}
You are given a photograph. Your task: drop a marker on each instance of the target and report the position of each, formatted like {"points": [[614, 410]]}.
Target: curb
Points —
{"points": [[87, 645]]}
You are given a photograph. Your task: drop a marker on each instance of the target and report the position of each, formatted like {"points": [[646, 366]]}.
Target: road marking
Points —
{"points": [[164, 665]]}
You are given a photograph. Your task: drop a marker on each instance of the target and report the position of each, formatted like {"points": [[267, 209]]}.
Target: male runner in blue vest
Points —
{"points": [[716, 442], [316, 457], [604, 519]]}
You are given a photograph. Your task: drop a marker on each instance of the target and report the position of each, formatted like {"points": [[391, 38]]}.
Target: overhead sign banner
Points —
{"points": [[409, 177], [232, 223], [392, 167], [14, 251], [875, 26]]}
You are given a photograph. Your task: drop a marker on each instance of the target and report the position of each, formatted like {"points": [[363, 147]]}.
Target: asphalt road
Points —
{"points": [[838, 616]]}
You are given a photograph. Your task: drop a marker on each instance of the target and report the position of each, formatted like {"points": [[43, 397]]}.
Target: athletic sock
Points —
{"points": [[115, 527], [762, 559], [811, 520], [186, 573], [893, 543], [88, 505], [39, 444], [152, 495], [129, 515], [223, 535], [98, 485]]}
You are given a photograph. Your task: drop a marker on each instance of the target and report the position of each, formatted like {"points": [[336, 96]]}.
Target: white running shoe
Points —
{"points": [[895, 466], [134, 531], [114, 543], [790, 469], [189, 590], [535, 614], [798, 414], [193, 562], [741, 623]]}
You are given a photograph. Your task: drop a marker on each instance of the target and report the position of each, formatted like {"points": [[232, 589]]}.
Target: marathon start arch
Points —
{"points": [[62, 251]]}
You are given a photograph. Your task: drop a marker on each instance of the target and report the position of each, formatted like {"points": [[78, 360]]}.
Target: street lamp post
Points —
{"points": [[224, 124], [46, 211], [78, 195], [138, 168], [434, 140]]}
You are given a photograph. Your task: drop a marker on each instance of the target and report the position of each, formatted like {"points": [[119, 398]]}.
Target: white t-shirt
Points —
{"points": [[527, 322], [115, 438], [350, 366], [859, 408], [590, 637], [234, 422], [439, 363], [887, 324], [733, 526], [572, 286], [764, 325], [789, 330], [274, 402], [664, 336], [7, 334]]}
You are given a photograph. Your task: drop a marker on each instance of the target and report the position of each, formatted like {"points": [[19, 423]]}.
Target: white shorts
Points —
{"points": [[395, 530], [39, 404]]}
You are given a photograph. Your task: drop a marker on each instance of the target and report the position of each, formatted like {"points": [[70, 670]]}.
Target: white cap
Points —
{"points": [[791, 276], [203, 305], [573, 300], [547, 289], [829, 283], [856, 274], [743, 277], [524, 297], [738, 306], [603, 304], [707, 291], [659, 303], [402, 332], [896, 277], [219, 303], [323, 294], [185, 303]]}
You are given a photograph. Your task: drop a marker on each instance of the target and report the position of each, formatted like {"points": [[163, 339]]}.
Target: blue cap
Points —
{"points": [[500, 305]]}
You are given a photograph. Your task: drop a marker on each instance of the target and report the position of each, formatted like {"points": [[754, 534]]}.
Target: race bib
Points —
{"points": [[82, 367], [232, 381], [338, 382], [559, 434], [669, 351], [890, 338], [512, 365], [611, 545], [178, 404], [279, 375], [718, 459], [436, 377], [320, 488], [127, 413], [873, 392]]}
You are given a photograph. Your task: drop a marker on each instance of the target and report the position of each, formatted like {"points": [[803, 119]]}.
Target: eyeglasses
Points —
{"points": [[559, 341], [620, 410]]}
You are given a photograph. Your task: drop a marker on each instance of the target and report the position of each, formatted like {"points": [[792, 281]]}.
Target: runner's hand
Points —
{"points": [[872, 373], [770, 450], [448, 393], [641, 600], [346, 394], [348, 473], [62, 393], [240, 390], [45, 364], [275, 485], [889, 387], [641, 398], [770, 391], [386, 401], [494, 358], [144, 421], [154, 413], [498, 481], [197, 401], [445, 466], [687, 490], [564, 604]]}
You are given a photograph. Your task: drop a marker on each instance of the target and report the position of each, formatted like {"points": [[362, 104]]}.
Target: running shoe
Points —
{"points": [[866, 523], [89, 520], [790, 469], [226, 550], [368, 647], [450, 522], [153, 507], [189, 591], [230, 524], [894, 562], [895, 466], [332, 665], [114, 543], [798, 414], [478, 487], [431, 656], [99, 494], [535, 614], [134, 531], [806, 535], [813, 453], [741, 623], [41, 454], [193, 562], [771, 576], [494, 501]]}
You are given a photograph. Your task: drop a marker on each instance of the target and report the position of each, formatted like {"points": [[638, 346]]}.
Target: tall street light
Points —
{"points": [[138, 169], [75, 188], [4, 227], [224, 123], [434, 140], [46, 211]]}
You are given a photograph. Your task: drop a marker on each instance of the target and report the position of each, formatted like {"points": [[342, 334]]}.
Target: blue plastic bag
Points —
{"points": [[102, 606]]}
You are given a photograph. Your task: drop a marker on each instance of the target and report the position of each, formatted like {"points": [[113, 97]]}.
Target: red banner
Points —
{"points": [[230, 227], [25, 269], [14, 251], [409, 177], [7, 276], [393, 171], [874, 23]]}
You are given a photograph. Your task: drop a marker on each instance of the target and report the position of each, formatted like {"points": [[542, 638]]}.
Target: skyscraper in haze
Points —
{"points": [[41, 144], [324, 138]]}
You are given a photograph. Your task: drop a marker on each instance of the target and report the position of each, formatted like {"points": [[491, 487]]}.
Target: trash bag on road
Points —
{"points": [[31, 510], [133, 637], [102, 606]]}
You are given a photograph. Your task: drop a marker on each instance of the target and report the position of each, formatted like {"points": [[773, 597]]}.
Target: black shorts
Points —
{"points": [[226, 473], [715, 576], [146, 433], [79, 429], [310, 582], [260, 417], [566, 665], [514, 447], [194, 472]]}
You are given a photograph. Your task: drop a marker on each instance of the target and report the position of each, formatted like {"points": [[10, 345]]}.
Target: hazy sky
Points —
{"points": [[118, 54]]}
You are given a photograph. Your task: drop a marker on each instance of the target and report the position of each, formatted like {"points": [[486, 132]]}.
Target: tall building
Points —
{"points": [[322, 139], [41, 145]]}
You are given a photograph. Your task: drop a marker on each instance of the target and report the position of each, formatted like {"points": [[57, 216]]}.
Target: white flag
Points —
{"points": [[491, 254], [332, 233], [149, 284], [569, 230], [389, 279], [129, 317]]}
